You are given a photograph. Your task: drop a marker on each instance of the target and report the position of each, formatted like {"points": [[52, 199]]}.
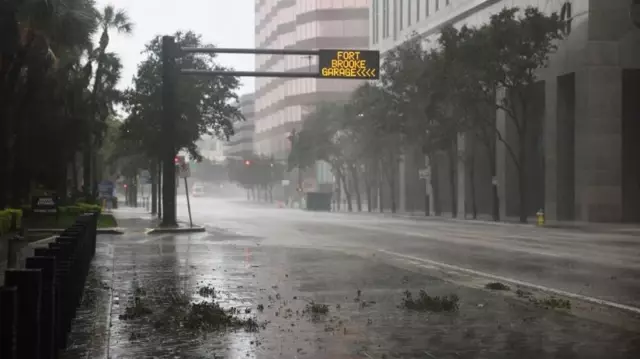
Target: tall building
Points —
{"points": [[211, 148], [241, 143], [280, 103], [583, 153]]}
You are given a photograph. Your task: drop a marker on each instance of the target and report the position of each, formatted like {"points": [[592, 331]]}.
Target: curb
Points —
{"points": [[179, 230], [116, 231], [42, 242]]}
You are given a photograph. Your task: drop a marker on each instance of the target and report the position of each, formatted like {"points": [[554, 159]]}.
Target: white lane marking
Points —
{"points": [[518, 282]]}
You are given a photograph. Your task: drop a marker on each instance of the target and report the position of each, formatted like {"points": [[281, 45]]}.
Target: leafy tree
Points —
{"points": [[204, 105], [256, 173], [42, 50], [376, 143], [515, 45], [106, 75]]}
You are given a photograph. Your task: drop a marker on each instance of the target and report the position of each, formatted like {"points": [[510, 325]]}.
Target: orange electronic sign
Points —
{"points": [[349, 64]]}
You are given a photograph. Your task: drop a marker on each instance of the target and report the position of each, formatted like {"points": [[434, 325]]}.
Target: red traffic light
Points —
{"points": [[247, 162], [176, 160], [125, 185]]}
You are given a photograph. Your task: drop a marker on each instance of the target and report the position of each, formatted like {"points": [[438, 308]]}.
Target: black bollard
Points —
{"points": [[8, 322], [29, 285], [57, 316], [47, 303]]}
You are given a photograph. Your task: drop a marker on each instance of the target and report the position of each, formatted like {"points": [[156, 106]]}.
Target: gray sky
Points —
{"points": [[224, 23]]}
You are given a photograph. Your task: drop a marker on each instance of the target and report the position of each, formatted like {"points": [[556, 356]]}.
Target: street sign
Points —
{"points": [[424, 173], [182, 167], [349, 64], [44, 204], [184, 171], [309, 185], [105, 189]]}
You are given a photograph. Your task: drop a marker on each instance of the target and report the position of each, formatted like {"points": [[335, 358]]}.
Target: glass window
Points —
{"points": [[400, 15], [395, 21]]}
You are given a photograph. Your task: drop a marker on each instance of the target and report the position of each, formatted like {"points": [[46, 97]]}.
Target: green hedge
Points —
{"points": [[5, 219], [80, 208]]}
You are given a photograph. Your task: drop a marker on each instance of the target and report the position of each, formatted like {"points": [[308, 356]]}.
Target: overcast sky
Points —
{"points": [[224, 23]]}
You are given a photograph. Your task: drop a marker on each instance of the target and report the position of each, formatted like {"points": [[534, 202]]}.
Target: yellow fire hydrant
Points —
{"points": [[540, 216]]}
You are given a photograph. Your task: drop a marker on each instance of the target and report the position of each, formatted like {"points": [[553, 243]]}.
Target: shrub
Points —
{"points": [[6, 218], [79, 208]]}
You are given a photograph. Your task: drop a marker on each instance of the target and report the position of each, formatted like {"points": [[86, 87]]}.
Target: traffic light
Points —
{"points": [[176, 160], [247, 163]]}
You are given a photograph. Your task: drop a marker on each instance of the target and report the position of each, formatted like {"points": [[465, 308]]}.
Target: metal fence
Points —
{"points": [[38, 303]]}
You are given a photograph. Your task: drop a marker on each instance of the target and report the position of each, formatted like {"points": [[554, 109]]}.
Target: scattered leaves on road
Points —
{"points": [[427, 303], [207, 292], [497, 286]]}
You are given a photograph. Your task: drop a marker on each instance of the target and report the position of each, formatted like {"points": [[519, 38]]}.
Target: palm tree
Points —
{"points": [[46, 37], [109, 19]]}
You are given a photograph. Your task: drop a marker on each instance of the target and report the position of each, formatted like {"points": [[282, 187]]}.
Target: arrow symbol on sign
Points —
{"points": [[359, 72], [373, 72]]}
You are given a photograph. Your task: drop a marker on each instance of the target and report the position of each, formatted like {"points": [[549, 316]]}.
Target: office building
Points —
{"points": [[241, 143], [281, 103], [584, 156]]}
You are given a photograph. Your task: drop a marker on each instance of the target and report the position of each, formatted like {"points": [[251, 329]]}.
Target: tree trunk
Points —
{"points": [[74, 178], [453, 154], [495, 200], [356, 186], [435, 184], [347, 191], [379, 187], [154, 187], [86, 172], [391, 181], [367, 188], [522, 179], [472, 179], [160, 181]]}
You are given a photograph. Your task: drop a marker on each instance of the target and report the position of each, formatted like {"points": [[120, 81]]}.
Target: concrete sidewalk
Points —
{"points": [[137, 280]]}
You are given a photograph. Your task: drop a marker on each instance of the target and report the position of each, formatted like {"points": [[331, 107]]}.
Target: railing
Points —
{"points": [[38, 303]]}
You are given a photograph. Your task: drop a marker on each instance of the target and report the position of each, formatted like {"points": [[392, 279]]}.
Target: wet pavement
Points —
{"points": [[256, 266]]}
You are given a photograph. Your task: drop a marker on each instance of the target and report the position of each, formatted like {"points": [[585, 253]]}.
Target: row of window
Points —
{"points": [[404, 14]]}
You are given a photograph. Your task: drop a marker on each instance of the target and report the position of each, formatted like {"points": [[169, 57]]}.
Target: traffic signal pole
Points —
{"points": [[169, 82], [345, 64]]}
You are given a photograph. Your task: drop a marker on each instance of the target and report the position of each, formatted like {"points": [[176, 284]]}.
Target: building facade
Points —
{"points": [[583, 152], [241, 144], [281, 103]]}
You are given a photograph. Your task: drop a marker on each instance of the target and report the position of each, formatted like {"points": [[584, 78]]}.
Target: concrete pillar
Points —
{"points": [[550, 148], [598, 162], [462, 175]]}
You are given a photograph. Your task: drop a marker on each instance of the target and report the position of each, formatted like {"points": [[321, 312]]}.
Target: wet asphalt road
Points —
{"points": [[284, 259], [604, 266]]}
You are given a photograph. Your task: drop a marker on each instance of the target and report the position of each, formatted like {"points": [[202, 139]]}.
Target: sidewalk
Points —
{"points": [[140, 293]]}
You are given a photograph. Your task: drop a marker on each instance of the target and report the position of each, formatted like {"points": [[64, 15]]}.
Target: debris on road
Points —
{"points": [[427, 303], [497, 286]]}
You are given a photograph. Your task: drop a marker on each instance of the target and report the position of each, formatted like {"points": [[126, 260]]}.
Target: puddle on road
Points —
{"points": [[277, 286]]}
